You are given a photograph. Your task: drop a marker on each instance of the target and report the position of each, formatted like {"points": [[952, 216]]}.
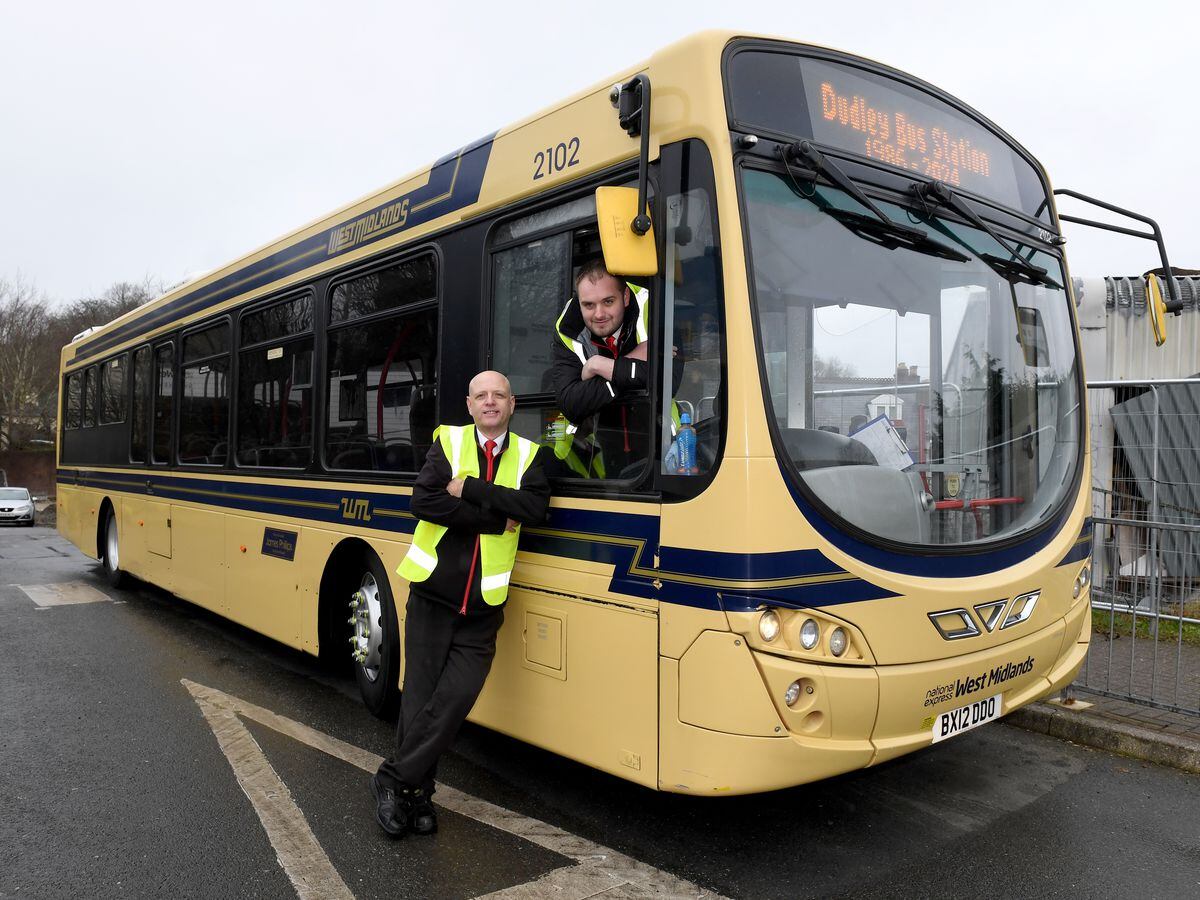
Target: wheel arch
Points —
{"points": [[337, 583]]}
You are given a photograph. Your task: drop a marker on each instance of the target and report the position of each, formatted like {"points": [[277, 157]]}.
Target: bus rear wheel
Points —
{"points": [[375, 641], [111, 555]]}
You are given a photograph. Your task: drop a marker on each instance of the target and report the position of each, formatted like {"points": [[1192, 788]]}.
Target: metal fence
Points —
{"points": [[1145, 440]]}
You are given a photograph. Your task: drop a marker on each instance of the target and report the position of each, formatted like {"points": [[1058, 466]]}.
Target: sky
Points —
{"points": [[154, 139]]}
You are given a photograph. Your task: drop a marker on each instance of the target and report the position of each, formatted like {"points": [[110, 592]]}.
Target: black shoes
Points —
{"points": [[392, 811], [399, 812], [423, 818]]}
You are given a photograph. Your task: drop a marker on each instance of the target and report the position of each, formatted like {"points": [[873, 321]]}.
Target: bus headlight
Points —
{"points": [[838, 641], [768, 625], [1082, 580], [810, 633], [792, 694]]}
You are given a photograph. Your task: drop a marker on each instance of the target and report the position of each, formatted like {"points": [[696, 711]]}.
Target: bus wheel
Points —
{"points": [[375, 644], [111, 557]]}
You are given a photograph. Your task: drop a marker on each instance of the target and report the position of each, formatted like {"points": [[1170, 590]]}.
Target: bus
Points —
{"points": [[858, 294]]}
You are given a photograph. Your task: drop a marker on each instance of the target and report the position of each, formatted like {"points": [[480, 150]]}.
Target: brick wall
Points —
{"points": [[33, 469]]}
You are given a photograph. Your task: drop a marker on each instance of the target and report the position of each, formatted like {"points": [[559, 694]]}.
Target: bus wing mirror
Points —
{"points": [[1157, 307], [1173, 302], [625, 251]]}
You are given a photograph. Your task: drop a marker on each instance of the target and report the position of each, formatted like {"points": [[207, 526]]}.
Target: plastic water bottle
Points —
{"points": [[686, 442]]}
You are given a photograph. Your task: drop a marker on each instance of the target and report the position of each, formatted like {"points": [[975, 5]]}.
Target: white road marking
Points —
{"points": [[596, 871], [301, 856], [67, 593]]}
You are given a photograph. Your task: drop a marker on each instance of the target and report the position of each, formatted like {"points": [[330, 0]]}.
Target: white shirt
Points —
{"points": [[479, 435]]}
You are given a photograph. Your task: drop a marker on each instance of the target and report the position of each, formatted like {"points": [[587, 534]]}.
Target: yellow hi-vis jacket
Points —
{"points": [[497, 552]]}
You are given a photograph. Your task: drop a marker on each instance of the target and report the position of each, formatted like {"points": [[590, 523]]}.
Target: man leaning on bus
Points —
{"points": [[479, 483], [600, 360]]}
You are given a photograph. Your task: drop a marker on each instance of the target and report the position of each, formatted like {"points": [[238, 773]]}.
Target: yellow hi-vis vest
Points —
{"points": [[497, 552]]}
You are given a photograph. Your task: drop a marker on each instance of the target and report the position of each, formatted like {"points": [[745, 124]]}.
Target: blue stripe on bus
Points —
{"points": [[928, 565], [627, 541], [1082, 548], [454, 182]]}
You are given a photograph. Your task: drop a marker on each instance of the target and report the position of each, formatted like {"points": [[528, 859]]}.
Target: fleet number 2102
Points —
{"points": [[561, 156]]}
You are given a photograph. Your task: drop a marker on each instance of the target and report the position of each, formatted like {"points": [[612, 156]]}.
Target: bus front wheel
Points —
{"points": [[375, 641]]}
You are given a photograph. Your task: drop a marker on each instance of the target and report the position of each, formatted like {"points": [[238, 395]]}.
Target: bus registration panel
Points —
{"points": [[956, 721]]}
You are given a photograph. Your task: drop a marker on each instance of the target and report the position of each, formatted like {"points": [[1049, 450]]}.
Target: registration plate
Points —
{"points": [[956, 721]]}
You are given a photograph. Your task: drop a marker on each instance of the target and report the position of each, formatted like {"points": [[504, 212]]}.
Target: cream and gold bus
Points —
{"points": [[857, 291]]}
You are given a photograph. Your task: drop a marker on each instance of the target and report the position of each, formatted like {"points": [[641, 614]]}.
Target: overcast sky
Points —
{"points": [[152, 139]]}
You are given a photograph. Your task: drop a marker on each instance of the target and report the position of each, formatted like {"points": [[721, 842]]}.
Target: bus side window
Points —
{"points": [[91, 395], [381, 368], [112, 391], [274, 403], [204, 398], [74, 414], [164, 402], [141, 402]]}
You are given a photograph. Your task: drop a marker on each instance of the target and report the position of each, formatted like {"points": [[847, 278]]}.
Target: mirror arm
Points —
{"points": [[636, 121], [1175, 303]]}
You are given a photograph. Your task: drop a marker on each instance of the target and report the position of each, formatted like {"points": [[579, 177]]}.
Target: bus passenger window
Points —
{"points": [[141, 400], [112, 391], [164, 401], [73, 417], [381, 369], [204, 401], [274, 407], [91, 396]]}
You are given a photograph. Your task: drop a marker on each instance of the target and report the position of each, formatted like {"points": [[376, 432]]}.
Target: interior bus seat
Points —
{"points": [[356, 455], [397, 456]]}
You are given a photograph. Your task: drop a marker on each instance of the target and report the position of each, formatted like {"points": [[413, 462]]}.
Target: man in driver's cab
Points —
{"points": [[599, 363]]}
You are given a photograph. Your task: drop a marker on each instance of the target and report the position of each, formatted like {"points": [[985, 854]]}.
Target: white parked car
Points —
{"points": [[16, 506]]}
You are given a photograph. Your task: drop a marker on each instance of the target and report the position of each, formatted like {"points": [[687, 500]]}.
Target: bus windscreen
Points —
{"points": [[880, 119]]}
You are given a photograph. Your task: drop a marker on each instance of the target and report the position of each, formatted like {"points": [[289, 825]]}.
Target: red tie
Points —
{"points": [[611, 343], [489, 447]]}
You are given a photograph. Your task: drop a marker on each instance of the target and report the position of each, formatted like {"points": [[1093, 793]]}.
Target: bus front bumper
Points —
{"points": [[847, 717]]}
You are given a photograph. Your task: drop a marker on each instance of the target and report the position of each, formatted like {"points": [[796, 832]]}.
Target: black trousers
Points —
{"points": [[447, 658]]}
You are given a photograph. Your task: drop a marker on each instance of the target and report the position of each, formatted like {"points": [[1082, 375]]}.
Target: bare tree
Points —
{"points": [[25, 379], [831, 368], [32, 336], [78, 315]]}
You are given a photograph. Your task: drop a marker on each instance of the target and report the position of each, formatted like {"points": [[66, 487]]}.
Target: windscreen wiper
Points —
{"points": [[1017, 268], [891, 234], [881, 229]]}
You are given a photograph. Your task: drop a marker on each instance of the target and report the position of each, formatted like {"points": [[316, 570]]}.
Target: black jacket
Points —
{"points": [[579, 399], [484, 508]]}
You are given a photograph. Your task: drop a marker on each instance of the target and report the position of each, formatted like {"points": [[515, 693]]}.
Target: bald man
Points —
{"points": [[479, 483]]}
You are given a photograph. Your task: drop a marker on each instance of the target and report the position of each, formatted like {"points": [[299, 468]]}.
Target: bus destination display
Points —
{"points": [[899, 129], [895, 138]]}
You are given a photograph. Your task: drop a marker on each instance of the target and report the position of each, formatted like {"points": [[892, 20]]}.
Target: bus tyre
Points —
{"points": [[375, 639], [111, 553]]}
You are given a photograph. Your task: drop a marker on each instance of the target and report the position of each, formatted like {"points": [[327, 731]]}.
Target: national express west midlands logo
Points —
{"points": [[957, 624], [961, 687]]}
